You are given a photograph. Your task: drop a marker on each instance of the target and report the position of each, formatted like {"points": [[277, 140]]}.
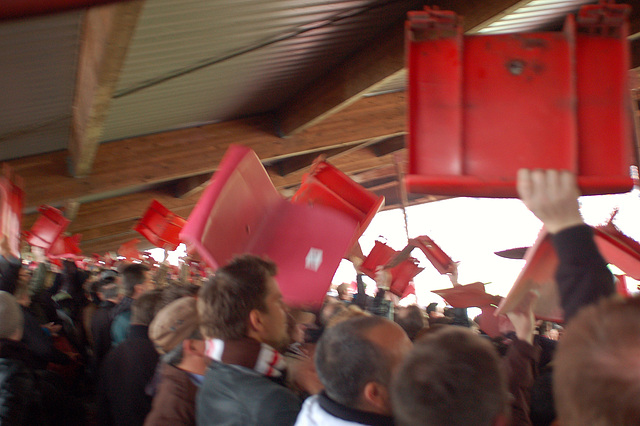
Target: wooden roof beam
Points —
{"points": [[381, 59], [142, 161], [106, 34]]}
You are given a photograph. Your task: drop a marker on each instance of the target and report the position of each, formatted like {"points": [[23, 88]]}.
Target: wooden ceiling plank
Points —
{"points": [[162, 157], [192, 185], [354, 162], [107, 33]]}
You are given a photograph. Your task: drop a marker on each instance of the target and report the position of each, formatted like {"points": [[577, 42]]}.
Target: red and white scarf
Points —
{"points": [[247, 353]]}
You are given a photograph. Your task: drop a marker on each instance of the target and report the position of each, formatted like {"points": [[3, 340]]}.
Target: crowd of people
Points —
{"points": [[141, 344]]}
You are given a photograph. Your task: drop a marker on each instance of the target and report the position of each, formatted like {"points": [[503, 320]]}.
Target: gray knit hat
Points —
{"points": [[11, 318]]}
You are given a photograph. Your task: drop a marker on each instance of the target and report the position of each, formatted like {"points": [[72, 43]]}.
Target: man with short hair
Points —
{"points": [[128, 368], [108, 291], [411, 320], [244, 321], [355, 361], [175, 333], [136, 280], [452, 377], [343, 293]]}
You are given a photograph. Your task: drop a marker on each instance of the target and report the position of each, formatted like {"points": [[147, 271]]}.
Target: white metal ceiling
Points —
{"points": [[37, 82]]}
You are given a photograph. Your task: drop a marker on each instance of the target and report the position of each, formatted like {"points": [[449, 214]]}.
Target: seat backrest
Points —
{"points": [[47, 228], [160, 226], [232, 208]]}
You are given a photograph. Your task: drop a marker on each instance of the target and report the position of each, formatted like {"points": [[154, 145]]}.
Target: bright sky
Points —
{"points": [[470, 231]]}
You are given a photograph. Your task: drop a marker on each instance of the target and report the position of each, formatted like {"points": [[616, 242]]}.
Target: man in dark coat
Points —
{"points": [[109, 293], [20, 396], [127, 369], [10, 266], [175, 332]]}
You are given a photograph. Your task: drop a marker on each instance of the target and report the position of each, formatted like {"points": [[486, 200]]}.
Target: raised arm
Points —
{"points": [[582, 275]]}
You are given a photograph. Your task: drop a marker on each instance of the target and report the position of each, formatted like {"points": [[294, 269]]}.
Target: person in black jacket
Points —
{"points": [[37, 337], [595, 378], [10, 266], [20, 396], [127, 369], [109, 293]]}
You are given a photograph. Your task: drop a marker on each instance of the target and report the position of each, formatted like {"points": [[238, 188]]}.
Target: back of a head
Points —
{"points": [[144, 308], [343, 289], [11, 318], [410, 319], [597, 366], [452, 377], [133, 275], [339, 359], [225, 301]]}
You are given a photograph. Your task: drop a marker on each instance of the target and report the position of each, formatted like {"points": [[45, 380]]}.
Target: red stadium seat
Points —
{"points": [[242, 212]]}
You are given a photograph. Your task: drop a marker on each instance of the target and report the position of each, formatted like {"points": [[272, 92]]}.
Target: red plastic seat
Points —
{"points": [[160, 226], [542, 262], [47, 228], [326, 185], [242, 212], [474, 295], [438, 258], [65, 247], [483, 106], [11, 202], [130, 250], [401, 274]]}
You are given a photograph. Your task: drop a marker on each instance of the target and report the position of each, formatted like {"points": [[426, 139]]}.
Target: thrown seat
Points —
{"points": [[242, 212]]}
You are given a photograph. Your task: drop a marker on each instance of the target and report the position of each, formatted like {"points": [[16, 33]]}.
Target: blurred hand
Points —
{"points": [[523, 319], [53, 328], [383, 278], [552, 196]]}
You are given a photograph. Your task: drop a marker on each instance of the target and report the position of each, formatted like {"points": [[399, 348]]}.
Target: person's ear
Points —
{"points": [[255, 320], [376, 396], [193, 347]]}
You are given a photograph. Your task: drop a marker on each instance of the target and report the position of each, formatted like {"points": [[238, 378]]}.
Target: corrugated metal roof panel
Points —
{"points": [[37, 79], [534, 15], [263, 52]]}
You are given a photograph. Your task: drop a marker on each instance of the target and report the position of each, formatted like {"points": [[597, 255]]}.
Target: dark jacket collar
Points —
{"points": [[351, 414], [138, 332], [11, 349]]}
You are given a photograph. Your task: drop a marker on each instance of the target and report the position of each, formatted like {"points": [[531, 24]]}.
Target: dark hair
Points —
{"points": [[227, 299], [339, 356], [410, 319], [451, 377], [595, 378], [132, 275], [145, 307], [175, 291]]}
